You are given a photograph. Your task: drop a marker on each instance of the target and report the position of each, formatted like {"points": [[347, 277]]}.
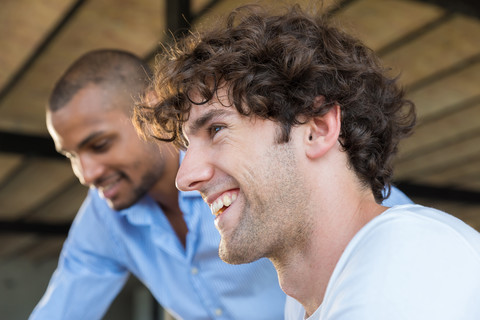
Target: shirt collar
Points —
{"points": [[141, 212]]}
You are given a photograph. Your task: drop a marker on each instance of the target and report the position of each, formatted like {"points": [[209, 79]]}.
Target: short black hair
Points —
{"points": [[112, 67]]}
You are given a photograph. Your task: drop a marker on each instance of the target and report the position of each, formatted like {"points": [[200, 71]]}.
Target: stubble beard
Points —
{"points": [[147, 181], [273, 218]]}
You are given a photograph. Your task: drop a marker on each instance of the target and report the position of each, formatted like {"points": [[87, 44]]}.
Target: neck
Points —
{"points": [[166, 194], [304, 272], [164, 191]]}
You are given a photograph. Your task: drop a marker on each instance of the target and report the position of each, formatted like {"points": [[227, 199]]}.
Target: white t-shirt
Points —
{"points": [[409, 263]]}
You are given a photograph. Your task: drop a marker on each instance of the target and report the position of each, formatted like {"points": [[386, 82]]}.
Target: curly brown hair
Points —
{"points": [[274, 66]]}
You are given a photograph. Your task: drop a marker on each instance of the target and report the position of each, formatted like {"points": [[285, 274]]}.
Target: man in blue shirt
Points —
{"points": [[134, 220]]}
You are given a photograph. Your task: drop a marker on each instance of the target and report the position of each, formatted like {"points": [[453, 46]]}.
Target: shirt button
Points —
{"points": [[218, 312], [194, 270]]}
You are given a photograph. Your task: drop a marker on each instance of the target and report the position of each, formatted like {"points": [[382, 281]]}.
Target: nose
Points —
{"points": [[87, 169], [195, 170]]}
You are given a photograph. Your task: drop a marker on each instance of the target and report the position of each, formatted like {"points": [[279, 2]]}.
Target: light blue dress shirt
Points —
{"points": [[104, 246]]}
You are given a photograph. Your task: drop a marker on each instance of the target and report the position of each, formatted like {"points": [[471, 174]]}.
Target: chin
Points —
{"points": [[124, 200], [237, 256]]}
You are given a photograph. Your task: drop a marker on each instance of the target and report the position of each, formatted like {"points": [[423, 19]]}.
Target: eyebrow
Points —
{"points": [[205, 118]]}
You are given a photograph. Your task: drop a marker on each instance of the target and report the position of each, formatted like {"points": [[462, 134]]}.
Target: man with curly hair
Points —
{"points": [[290, 128]]}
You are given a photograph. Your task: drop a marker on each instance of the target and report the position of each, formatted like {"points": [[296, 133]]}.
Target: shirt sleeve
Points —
{"points": [[88, 277]]}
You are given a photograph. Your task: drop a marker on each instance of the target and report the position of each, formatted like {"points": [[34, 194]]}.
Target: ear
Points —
{"points": [[323, 131]]}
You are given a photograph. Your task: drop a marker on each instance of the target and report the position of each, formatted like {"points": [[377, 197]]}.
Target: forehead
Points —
{"points": [[91, 109]]}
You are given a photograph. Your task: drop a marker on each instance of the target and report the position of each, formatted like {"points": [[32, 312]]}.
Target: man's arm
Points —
{"points": [[87, 278]]}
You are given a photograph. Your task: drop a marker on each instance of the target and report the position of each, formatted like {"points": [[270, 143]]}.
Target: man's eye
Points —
{"points": [[100, 146], [215, 129]]}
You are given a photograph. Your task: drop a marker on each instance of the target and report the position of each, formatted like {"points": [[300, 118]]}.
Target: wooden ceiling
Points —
{"points": [[435, 45]]}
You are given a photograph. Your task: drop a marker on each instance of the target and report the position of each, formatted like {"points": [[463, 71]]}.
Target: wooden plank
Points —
{"points": [[8, 162], [442, 48], [381, 22], [198, 5], [34, 183], [64, 207], [446, 93], [454, 175], [23, 26], [433, 134], [437, 160], [223, 8], [135, 25]]}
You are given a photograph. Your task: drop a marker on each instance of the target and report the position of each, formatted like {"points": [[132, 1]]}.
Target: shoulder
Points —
{"points": [[423, 235], [409, 259], [415, 225]]}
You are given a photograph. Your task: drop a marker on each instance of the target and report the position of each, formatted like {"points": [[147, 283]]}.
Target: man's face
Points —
{"points": [[252, 183], [97, 135]]}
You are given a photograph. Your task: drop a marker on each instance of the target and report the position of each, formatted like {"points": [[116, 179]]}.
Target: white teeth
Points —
{"points": [[227, 201], [221, 202]]}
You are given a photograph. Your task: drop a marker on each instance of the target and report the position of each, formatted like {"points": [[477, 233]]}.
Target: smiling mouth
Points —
{"points": [[107, 189], [222, 203]]}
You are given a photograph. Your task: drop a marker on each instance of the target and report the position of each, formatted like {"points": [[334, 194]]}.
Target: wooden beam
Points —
{"points": [[41, 228], [448, 155], [28, 145], [444, 194], [179, 17], [461, 123], [468, 7]]}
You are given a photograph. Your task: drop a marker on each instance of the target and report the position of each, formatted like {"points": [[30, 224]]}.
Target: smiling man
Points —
{"points": [[290, 128], [253, 188], [134, 220]]}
